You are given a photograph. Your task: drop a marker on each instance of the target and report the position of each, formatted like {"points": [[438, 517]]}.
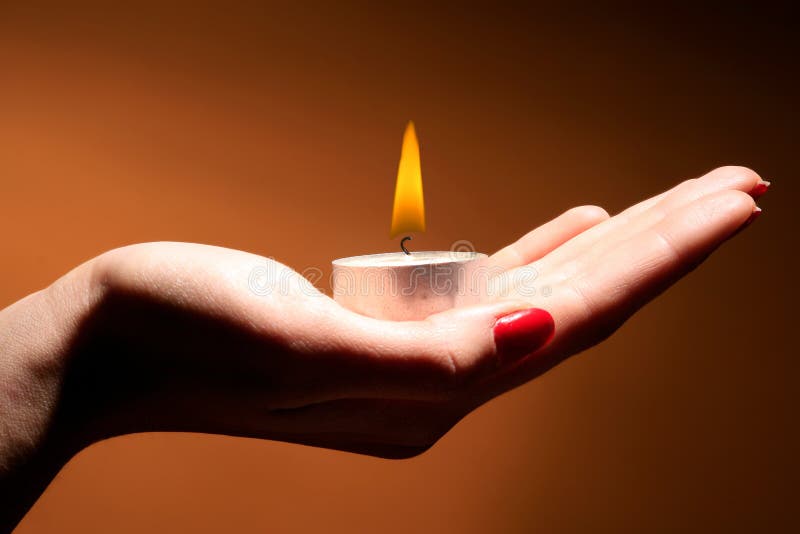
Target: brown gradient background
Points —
{"points": [[276, 129]]}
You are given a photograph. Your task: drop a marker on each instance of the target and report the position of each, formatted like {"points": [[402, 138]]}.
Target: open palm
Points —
{"points": [[176, 340]]}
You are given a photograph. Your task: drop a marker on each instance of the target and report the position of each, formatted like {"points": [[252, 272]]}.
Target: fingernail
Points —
{"points": [[753, 216], [522, 332], [760, 188]]}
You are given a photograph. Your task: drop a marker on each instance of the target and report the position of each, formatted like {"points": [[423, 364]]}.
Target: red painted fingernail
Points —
{"points": [[753, 217], [522, 332], [759, 189]]}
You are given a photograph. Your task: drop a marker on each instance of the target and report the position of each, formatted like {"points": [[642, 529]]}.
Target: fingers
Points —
{"points": [[604, 291], [547, 237], [723, 179], [646, 213], [638, 269]]}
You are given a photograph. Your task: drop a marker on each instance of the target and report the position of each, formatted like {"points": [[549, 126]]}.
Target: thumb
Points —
{"points": [[482, 338], [431, 359], [438, 356]]}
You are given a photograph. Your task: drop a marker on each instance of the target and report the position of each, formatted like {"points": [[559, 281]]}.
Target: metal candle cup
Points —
{"points": [[407, 287]]}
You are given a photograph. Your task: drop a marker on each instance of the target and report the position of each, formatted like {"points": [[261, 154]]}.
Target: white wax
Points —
{"points": [[399, 259]]}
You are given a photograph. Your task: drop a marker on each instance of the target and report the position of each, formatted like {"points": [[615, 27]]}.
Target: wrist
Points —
{"points": [[36, 437]]}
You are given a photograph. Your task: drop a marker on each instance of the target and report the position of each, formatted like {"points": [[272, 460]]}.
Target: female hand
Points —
{"points": [[171, 336]]}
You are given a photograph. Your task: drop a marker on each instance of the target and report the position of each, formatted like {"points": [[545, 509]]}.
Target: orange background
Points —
{"points": [[277, 129]]}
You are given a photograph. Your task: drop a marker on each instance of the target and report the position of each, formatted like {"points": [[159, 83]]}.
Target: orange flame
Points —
{"points": [[409, 206]]}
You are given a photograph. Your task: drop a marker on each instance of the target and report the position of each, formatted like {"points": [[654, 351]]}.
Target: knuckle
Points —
{"points": [[587, 304], [454, 368], [601, 314], [449, 367], [667, 247], [436, 371]]}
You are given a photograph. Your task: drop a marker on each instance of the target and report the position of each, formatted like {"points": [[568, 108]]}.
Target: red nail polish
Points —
{"points": [[759, 189], [522, 332], [753, 217]]}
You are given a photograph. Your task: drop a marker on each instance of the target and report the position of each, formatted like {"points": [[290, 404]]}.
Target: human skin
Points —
{"points": [[170, 337]]}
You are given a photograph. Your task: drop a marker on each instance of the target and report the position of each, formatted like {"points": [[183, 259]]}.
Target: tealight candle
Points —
{"points": [[406, 285]]}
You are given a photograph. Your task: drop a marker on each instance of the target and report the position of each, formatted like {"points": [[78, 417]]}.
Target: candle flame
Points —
{"points": [[409, 206]]}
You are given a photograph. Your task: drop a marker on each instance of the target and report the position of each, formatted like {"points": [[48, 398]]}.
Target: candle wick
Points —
{"points": [[403, 244]]}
